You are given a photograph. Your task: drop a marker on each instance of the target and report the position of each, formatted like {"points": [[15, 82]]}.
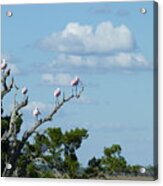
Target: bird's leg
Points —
{"points": [[76, 90], [63, 96], [72, 91], [56, 102], [36, 117]]}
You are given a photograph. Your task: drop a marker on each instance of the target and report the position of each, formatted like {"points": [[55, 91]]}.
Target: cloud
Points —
{"points": [[60, 79], [102, 47], [78, 39], [120, 60]]}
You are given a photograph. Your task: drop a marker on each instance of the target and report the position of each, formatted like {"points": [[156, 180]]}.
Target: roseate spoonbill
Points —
{"points": [[3, 64], [24, 91], [36, 112], [57, 93], [74, 83]]}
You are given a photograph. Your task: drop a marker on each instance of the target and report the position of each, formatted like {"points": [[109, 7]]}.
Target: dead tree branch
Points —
{"points": [[14, 115], [6, 88], [49, 117], [10, 134], [38, 123]]}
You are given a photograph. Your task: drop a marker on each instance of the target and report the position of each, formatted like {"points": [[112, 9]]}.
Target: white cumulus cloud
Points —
{"points": [[105, 46], [85, 40], [122, 60]]}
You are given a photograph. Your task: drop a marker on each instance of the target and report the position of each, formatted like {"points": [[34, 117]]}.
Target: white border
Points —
{"points": [[50, 182]]}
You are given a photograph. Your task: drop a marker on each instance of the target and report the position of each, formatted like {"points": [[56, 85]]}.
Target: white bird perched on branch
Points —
{"points": [[24, 91], [57, 93], [74, 83], [36, 112], [3, 64]]}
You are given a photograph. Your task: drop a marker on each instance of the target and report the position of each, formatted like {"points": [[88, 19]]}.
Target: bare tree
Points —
{"points": [[10, 134]]}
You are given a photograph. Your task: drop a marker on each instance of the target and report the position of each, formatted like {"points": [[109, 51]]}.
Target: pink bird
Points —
{"points": [[57, 92], [74, 83], [3, 64]]}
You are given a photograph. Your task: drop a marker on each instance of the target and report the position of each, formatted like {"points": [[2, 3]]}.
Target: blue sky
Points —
{"points": [[110, 46]]}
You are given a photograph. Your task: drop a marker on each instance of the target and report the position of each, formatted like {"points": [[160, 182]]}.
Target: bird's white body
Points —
{"points": [[36, 112], [74, 84], [3, 64], [24, 90], [57, 92], [75, 81]]}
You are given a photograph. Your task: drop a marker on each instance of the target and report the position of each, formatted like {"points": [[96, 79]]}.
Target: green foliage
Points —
{"points": [[4, 124], [53, 154], [73, 138], [112, 161], [94, 168], [72, 141], [18, 122], [32, 171], [6, 144]]}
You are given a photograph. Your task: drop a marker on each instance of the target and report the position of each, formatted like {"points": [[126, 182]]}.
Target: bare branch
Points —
{"points": [[49, 117], [28, 133], [14, 114], [6, 88]]}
